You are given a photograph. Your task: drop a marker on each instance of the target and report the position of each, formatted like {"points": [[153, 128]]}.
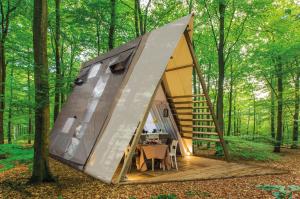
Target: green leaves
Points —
{"points": [[280, 192]]}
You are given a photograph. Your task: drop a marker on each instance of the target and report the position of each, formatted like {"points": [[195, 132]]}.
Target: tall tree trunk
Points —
{"points": [[136, 19], [230, 101], [29, 107], [272, 112], [296, 113], [234, 117], [9, 127], [254, 115], [69, 77], [41, 171], [57, 60], [248, 121], [221, 62], [98, 37], [140, 16], [209, 77], [2, 89], [62, 76], [111, 36], [279, 107]]}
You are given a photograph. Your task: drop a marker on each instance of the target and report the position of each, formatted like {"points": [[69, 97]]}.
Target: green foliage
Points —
{"points": [[15, 155], [280, 192], [164, 196], [243, 148]]}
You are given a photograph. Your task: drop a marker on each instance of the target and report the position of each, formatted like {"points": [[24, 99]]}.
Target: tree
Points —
{"points": [[6, 11], [297, 107], [279, 75], [111, 36], [58, 80], [224, 44], [41, 171]]}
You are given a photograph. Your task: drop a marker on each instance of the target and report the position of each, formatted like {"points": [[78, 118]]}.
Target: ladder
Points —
{"points": [[194, 114]]}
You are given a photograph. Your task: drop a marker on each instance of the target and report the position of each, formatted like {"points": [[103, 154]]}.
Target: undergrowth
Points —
{"points": [[14, 155], [247, 149]]}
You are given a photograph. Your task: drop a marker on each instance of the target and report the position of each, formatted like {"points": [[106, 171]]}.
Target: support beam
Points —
{"points": [[205, 92], [185, 96], [180, 67]]}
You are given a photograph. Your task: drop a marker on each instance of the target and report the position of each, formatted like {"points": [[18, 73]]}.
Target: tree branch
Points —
{"points": [[237, 39], [126, 5], [211, 24], [231, 22], [146, 15]]}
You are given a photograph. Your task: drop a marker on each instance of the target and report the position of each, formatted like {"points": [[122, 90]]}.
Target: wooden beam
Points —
{"points": [[205, 133], [188, 102], [199, 133], [189, 107], [196, 120], [180, 67], [136, 138], [198, 126], [204, 88], [207, 139], [185, 96], [187, 113]]}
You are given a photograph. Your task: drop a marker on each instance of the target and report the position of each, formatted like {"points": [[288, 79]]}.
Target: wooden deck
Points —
{"points": [[198, 168]]}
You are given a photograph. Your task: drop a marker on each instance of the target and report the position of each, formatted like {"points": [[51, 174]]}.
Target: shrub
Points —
{"points": [[15, 155]]}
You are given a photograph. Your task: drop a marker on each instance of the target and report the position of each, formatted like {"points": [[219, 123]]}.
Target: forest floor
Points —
{"points": [[74, 184]]}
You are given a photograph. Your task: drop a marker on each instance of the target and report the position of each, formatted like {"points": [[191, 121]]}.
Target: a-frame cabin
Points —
{"points": [[106, 113]]}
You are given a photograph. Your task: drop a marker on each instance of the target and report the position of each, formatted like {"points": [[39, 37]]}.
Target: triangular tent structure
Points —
{"points": [[114, 93]]}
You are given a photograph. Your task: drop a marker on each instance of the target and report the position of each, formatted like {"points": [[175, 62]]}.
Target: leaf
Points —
{"points": [[293, 188], [271, 187]]}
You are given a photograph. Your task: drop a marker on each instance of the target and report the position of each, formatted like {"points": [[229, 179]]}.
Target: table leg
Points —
{"points": [[152, 164]]}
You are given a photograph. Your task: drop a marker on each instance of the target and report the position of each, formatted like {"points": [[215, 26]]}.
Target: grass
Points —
{"points": [[15, 155], [247, 149]]}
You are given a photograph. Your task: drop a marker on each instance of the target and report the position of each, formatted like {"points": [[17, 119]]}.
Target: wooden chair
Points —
{"points": [[172, 153]]}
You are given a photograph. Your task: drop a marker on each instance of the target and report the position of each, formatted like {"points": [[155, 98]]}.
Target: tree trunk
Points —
{"points": [[254, 116], [98, 37], [136, 19], [111, 36], [29, 108], [234, 117], [296, 113], [57, 60], [279, 108], [2, 89], [248, 121], [221, 62], [41, 171], [9, 127], [140, 16], [230, 101], [62, 76], [272, 112]]}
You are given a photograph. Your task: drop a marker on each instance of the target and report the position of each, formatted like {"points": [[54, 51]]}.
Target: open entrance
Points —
{"points": [[179, 122]]}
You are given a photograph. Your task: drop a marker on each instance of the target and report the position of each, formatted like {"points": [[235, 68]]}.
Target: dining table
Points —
{"points": [[153, 151]]}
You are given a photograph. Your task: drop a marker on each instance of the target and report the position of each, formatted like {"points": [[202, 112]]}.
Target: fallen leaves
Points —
{"points": [[74, 184]]}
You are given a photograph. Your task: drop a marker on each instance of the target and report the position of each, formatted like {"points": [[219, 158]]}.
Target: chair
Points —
{"points": [[172, 153]]}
